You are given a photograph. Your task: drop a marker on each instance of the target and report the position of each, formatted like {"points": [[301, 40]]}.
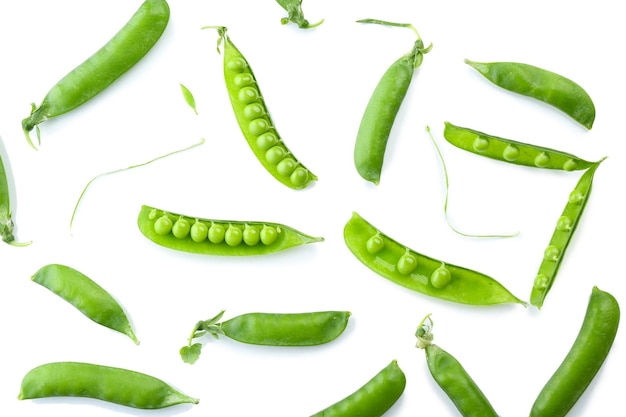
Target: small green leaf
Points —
{"points": [[190, 354], [191, 101]]}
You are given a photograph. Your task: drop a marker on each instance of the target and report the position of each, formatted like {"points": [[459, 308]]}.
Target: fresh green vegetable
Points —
{"points": [[540, 84], [86, 295], [295, 14], [255, 121], [382, 108], [218, 237], [105, 66], [6, 220], [585, 358], [271, 329], [189, 98], [115, 385], [374, 398], [418, 272]]}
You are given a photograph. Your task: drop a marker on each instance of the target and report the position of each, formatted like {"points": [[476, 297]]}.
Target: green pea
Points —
{"points": [[216, 233], [251, 235], [248, 94], [551, 253], [243, 79], [299, 176], [268, 235], [163, 225], [576, 197], [266, 141], [233, 236], [258, 126], [375, 244], [199, 231], [564, 224], [511, 153], [254, 111], [481, 144], [570, 165], [440, 277], [406, 264], [541, 282], [286, 166], [236, 64], [275, 154], [542, 160], [152, 215], [181, 228]]}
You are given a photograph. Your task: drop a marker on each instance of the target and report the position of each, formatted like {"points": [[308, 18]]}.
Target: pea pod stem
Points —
{"points": [[295, 14]]}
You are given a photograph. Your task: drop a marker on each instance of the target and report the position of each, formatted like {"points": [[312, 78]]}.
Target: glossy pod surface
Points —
{"points": [[508, 150], [563, 232], [373, 399], [540, 84], [218, 237], [418, 272], [255, 122], [586, 356], [6, 221], [86, 295], [115, 385]]}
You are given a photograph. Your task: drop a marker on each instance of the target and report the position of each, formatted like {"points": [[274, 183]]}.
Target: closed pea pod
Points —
{"points": [[106, 383], [561, 237], [105, 66], [86, 295], [540, 84], [218, 237], [374, 398], [254, 119], [511, 151], [382, 108], [6, 220], [584, 359], [418, 272]]}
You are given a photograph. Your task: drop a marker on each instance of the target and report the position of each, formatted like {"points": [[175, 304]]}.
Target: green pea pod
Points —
{"points": [[114, 385], [6, 220], [295, 14], [383, 106], [508, 150], [86, 295], [563, 232], [413, 270], [540, 84], [584, 359], [218, 237], [374, 398], [105, 66]]}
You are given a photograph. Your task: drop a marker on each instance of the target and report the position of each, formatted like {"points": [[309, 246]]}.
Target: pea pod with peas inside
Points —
{"points": [[218, 237], [561, 237], [106, 383], [86, 295], [94, 75], [418, 272], [584, 359], [254, 119], [511, 151], [383, 106], [270, 329], [374, 398], [547, 86]]}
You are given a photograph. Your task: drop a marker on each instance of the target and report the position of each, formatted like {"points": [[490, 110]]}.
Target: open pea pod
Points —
{"points": [[420, 273]]}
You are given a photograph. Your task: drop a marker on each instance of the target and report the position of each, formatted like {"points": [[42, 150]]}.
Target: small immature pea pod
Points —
{"points": [[413, 270], [382, 108], [218, 237], [374, 398], [254, 119], [508, 150], [270, 329], [295, 14], [540, 84], [450, 375], [584, 360], [6, 220], [563, 232], [114, 385], [105, 66], [87, 296]]}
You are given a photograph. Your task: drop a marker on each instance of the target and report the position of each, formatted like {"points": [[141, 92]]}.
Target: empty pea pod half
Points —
{"points": [[561, 237], [418, 272], [116, 57], [374, 398], [547, 86], [511, 151], [584, 359], [106, 383], [86, 295], [218, 237], [254, 119], [270, 329]]}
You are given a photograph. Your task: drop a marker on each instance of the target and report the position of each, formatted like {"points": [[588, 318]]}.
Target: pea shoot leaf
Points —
{"points": [[190, 353]]}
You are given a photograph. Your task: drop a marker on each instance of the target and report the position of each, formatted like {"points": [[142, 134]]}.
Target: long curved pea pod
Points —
{"points": [[218, 237], [413, 270], [374, 398], [563, 232], [6, 220], [584, 360], [508, 150], [86, 295], [116, 57], [114, 385], [382, 108], [540, 84], [255, 122]]}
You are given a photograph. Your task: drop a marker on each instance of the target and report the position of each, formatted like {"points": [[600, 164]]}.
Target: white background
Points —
{"points": [[316, 84]]}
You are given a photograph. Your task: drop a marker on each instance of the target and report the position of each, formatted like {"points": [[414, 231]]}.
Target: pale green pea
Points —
{"points": [[152, 214], [542, 160], [180, 229], [480, 144], [551, 253], [407, 263], [275, 154], [237, 64], [216, 233], [440, 277], [243, 79], [286, 166], [251, 235], [541, 281], [375, 244], [299, 176], [253, 111], [268, 235], [199, 232], [570, 165], [233, 236], [511, 153], [258, 126], [247, 95], [564, 224], [266, 141], [576, 197], [163, 225]]}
